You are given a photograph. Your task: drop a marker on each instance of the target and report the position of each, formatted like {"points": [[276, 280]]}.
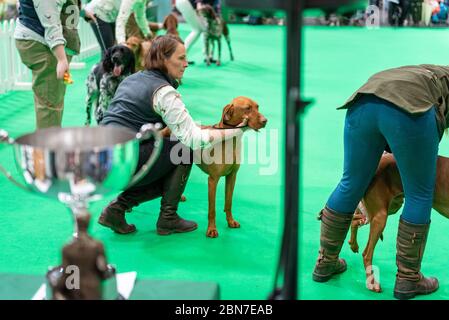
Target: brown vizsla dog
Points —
{"points": [[227, 164], [384, 197]]}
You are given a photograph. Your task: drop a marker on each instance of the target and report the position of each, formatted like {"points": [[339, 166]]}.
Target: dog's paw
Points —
{"points": [[354, 246], [218, 63], [373, 285], [212, 232], [233, 224]]}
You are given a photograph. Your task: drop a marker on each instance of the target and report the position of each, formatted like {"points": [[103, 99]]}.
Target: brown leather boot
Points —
{"points": [[113, 216], [410, 245], [334, 228], [169, 221]]}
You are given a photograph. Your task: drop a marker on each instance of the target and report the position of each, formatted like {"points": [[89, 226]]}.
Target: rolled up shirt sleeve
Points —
{"points": [[126, 8], [49, 13], [91, 6], [141, 18], [168, 104], [122, 18]]}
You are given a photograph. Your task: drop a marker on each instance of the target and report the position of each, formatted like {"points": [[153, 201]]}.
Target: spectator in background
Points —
{"points": [[47, 37], [164, 8], [137, 7], [216, 4], [109, 18], [198, 25]]}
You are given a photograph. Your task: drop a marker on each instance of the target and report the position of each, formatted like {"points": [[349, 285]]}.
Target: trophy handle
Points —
{"points": [[5, 138], [146, 132]]}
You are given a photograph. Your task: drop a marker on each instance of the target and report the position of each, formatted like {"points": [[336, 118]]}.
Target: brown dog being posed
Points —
{"points": [[240, 110], [384, 197], [223, 159]]}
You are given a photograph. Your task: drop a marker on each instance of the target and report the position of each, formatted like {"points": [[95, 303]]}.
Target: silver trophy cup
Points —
{"points": [[77, 166]]}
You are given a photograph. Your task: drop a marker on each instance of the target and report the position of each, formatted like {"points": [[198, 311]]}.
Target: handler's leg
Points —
{"points": [[192, 19], [414, 142], [363, 147]]}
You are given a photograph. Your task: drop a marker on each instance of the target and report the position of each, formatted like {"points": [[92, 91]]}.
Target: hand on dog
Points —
{"points": [[244, 124], [359, 219], [165, 133]]}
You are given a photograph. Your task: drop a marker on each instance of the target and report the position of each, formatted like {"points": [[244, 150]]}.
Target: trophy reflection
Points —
{"points": [[77, 166]]}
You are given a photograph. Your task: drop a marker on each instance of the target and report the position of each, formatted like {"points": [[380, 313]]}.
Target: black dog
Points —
{"points": [[104, 78], [216, 28]]}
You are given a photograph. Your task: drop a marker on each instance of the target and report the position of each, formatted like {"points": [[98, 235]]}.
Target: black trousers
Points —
{"points": [[105, 34], [173, 153]]}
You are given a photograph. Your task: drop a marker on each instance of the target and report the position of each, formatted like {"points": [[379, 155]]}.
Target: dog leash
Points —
{"points": [[237, 127], [101, 36]]}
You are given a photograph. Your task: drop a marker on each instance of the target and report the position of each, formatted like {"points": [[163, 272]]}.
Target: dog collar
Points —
{"points": [[215, 126]]}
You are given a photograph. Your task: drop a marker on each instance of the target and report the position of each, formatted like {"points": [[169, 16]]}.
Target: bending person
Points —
{"points": [[406, 110]]}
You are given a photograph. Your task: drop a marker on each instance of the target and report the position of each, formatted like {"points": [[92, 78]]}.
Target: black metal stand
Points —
{"points": [[288, 261]]}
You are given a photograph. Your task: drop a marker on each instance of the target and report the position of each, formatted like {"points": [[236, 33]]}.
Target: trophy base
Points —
{"points": [[58, 289]]}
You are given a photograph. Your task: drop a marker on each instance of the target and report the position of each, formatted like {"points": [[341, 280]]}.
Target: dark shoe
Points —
{"points": [[190, 62], [410, 245], [174, 224], [113, 216], [169, 221], [334, 228]]}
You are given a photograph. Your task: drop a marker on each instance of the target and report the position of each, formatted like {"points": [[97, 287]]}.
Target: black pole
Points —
{"points": [[291, 182], [288, 261]]}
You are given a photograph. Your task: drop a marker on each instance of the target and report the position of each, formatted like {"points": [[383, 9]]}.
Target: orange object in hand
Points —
{"points": [[68, 78]]}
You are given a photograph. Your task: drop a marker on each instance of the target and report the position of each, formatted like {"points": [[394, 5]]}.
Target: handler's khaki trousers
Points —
{"points": [[48, 90]]}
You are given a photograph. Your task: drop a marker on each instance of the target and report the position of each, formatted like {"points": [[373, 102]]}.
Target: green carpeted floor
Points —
{"points": [[242, 261]]}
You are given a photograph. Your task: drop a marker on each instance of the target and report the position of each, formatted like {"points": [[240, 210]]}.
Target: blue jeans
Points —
{"points": [[372, 123]]}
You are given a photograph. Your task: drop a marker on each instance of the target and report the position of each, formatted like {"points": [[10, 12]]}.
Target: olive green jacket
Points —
{"points": [[415, 89]]}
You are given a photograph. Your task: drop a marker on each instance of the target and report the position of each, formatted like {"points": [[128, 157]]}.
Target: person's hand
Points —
{"points": [[166, 132], [90, 15], [244, 124], [61, 68]]}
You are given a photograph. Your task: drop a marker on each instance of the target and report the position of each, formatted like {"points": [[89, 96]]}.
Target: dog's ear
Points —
{"points": [[211, 11], [107, 60], [132, 61], [228, 112]]}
